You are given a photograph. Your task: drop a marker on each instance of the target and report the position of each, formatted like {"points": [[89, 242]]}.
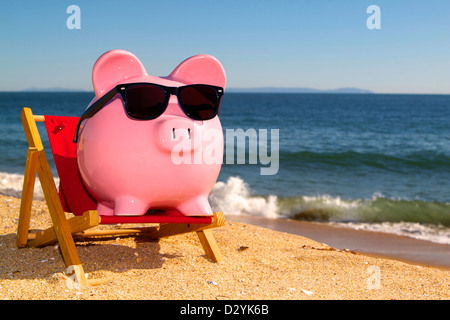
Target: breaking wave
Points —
{"points": [[414, 218]]}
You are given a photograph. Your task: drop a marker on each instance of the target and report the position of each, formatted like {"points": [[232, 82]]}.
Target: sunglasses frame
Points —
{"points": [[169, 91]]}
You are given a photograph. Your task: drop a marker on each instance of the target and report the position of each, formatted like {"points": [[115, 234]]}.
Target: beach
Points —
{"points": [[259, 263], [382, 244]]}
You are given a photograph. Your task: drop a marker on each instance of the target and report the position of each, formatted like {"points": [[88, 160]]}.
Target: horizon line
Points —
{"points": [[265, 89]]}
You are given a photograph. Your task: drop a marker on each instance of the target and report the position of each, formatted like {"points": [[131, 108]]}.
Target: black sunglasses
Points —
{"points": [[146, 101]]}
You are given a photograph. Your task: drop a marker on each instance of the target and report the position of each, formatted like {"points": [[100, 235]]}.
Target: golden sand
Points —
{"points": [[258, 264]]}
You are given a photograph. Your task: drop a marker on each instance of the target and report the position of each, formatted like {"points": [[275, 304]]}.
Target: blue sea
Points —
{"points": [[376, 162]]}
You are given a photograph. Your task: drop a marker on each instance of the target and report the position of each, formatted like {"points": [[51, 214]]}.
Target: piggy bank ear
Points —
{"points": [[200, 69], [115, 67]]}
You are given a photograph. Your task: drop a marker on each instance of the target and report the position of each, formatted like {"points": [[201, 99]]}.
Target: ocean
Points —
{"points": [[376, 162]]}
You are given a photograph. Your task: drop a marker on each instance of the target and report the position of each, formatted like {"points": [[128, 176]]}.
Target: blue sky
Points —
{"points": [[317, 44]]}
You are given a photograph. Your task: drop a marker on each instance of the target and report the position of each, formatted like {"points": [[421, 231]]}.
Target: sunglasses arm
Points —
{"points": [[94, 108]]}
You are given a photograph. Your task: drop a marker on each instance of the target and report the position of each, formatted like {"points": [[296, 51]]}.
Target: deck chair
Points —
{"points": [[72, 197]]}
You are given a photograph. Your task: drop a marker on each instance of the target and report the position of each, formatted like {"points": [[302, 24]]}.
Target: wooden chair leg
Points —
{"points": [[209, 245], [27, 197], [60, 225], [37, 162], [42, 238]]}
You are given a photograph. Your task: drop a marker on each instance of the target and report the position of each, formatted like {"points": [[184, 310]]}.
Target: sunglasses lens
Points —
{"points": [[200, 102], [145, 102]]}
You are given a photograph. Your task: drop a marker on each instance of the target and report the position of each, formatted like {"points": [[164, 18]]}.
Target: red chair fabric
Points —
{"points": [[73, 194]]}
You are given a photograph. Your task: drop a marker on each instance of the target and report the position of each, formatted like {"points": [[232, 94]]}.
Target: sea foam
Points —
{"points": [[11, 184], [233, 197]]}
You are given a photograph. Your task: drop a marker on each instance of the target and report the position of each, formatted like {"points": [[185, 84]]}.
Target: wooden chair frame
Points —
{"points": [[64, 230]]}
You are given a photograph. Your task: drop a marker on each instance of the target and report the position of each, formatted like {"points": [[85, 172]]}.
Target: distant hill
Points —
{"points": [[250, 90], [299, 90], [55, 89]]}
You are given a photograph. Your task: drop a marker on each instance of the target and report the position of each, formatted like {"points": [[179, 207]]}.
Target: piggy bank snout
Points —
{"points": [[178, 132]]}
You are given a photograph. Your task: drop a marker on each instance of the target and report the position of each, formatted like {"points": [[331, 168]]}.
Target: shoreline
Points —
{"points": [[378, 244]]}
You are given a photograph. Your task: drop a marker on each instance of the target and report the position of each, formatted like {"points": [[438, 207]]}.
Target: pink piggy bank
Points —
{"points": [[149, 142]]}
